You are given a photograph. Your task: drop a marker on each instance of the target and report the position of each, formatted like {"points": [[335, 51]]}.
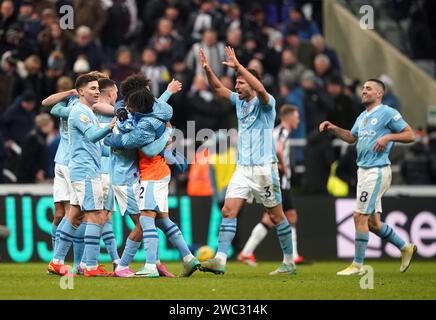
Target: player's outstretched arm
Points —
{"points": [[251, 79], [215, 83], [61, 110], [58, 97], [103, 108], [342, 134]]}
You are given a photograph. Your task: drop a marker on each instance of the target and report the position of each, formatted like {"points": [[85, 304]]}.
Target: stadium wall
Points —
{"points": [[325, 227]]}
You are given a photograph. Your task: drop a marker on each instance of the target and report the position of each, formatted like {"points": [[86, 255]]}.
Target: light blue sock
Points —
{"points": [[59, 228], [151, 238], [92, 244], [109, 240], [53, 236], [79, 243], [173, 234], [226, 235], [388, 234], [360, 244], [284, 232], [129, 252], [66, 237]]}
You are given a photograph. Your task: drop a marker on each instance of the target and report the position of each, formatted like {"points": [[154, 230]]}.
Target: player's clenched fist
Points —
{"points": [[324, 126]]}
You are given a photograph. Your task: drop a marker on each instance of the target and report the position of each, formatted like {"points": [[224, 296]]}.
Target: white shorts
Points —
{"points": [[128, 198], [88, 194], [62, 187], [372, 183], [153, 195], [260, 182], [108, 193]]}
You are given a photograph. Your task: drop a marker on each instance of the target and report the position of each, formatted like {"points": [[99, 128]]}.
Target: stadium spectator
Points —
{"points": [[124, 66], [85, 46], [318, 154], [343, 112], [323, 69], [291, 70], [116, 28], [267, 79], [29, 19], [306, 29], [18, 120], [7, 16], [7, 79], [273, 55], [167, 43], [3, 156], [54, 38], [305, 51], [214, 52], [157, 73], [205, 18], [90, 14], [203, 107], [322, 48], [32, 79], [35, 148]]}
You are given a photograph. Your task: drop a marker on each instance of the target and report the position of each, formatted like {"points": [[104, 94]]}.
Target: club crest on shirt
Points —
{"points": [[374, 121], [84, 118]]}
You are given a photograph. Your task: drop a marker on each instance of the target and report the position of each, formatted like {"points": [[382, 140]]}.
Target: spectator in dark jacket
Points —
{"points": [[344, 113], [18, 120], [35, 157]]}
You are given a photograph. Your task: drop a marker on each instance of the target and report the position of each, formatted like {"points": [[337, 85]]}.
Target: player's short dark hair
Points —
{"points": [[287, 109], [83, 80], [98, 74], [379, 82], [105, 84], [141, 101], [252, 71], [133, 83]]}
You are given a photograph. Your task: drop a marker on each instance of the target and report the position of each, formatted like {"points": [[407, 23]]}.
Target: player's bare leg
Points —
{"points": [[230, 211]]}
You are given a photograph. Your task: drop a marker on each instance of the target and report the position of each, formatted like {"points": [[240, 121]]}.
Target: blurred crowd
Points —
{"points": [[282, 40]]}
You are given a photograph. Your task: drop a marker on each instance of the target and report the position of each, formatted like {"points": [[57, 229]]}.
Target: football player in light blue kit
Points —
{"points": [[256, 174], [375, 131], [87, 197], [108, 97], [61, 185]]}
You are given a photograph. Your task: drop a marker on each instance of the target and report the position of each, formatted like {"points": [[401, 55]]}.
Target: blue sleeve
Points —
{"points": [[165, 96], [90, 131], [355, 128], [60, 110], [154, 148], [141, 135], [271, 104], [119, 104], [106, 151], [396, 122], [234, 98]]}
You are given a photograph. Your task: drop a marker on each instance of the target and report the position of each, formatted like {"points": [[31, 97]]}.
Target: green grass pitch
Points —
{"points": [[316, 281]]}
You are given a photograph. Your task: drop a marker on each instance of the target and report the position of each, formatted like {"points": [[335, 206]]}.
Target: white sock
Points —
{"points": [[288, 259], [221, 257], [82, 265], [58, 261], [358, 264], [149, 266], [157, 262], [294, 242], [188, 258], [257, 235], [91, 268], [117, 261], [120, 268]]}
